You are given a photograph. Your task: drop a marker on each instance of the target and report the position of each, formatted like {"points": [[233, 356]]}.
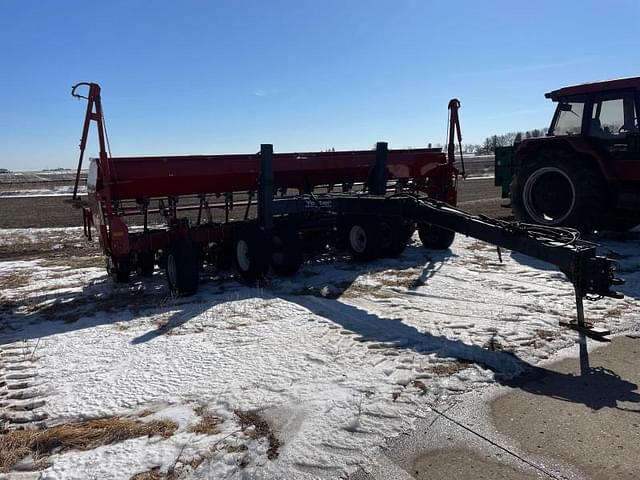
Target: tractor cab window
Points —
{"points": [[613, 116], [568, 119]]}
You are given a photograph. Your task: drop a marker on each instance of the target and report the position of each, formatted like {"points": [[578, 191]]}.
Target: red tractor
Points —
{"points": [[585, 173]]}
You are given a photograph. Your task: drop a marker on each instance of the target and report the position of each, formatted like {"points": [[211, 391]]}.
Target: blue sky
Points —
{"points": [[183, 77]]}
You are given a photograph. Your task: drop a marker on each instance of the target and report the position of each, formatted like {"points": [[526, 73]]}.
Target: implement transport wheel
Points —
{"points": [[183, 267], [364, 238], [119, 269], [161, 260], [223, 255], [252, 254], [557, 189], [315, 241], [395, 235], [435, 238], [286, 251], [145, 262]]}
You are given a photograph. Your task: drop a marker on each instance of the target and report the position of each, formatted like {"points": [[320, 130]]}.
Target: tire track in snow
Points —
{"points": [[22, 392]]}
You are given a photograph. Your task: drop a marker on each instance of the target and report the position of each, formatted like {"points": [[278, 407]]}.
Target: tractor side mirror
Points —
{"points": [[565, 107]]}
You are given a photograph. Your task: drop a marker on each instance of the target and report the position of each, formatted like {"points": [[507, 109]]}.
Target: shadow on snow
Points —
{"points": [[595, 387]]}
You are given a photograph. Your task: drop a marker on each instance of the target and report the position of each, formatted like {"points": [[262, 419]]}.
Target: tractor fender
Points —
{"points": [[571, 145]]}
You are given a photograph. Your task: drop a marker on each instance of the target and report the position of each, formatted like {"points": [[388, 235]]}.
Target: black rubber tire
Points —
{"points": [[315, 241], [583, 210], [183, 267], [339, 239], [161, 260], [435, 238], [364, 238], [119, 269], [286, 251], [395, 235], [145, 263], [251, 254], [220, 255]]}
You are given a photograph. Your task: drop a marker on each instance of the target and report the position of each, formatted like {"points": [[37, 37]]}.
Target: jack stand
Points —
{"points": [[580, 325]]}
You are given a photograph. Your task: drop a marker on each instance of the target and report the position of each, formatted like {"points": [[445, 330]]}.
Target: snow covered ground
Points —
{"points": [[40, 184], [54, 191], [336, 359]]}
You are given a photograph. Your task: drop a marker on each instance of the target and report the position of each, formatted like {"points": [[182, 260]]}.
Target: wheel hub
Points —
{"points": [[549, 196], [358, 238]]}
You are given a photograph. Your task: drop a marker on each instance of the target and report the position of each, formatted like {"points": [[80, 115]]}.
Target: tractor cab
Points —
{"points": [[606, 113]]}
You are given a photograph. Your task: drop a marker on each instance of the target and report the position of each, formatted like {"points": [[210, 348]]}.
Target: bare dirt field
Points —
{"points": [[475, 195]]}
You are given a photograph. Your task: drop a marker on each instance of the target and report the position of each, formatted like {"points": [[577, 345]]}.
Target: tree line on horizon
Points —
{"points": [[489, 145]]}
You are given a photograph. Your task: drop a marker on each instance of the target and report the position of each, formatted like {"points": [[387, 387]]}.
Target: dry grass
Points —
{"points": [[59, 253], [181, 468], [547, 334], [480, 246], [15, 280], [175, 472], [410, 278], [620, 309], [236, 448], [449, 368], [153, 474], [75, 262], [358, 290], [17, 444], [420, 386], [261, 429], [73, 308], [208, 424]]}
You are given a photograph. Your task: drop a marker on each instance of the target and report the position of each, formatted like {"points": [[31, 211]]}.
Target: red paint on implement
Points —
{"points": [[146, 177]]}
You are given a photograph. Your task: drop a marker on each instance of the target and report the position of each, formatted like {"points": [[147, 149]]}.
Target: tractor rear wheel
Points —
{"points": [[183, 267], [435, 238], [252, 254], [557, 189]]}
